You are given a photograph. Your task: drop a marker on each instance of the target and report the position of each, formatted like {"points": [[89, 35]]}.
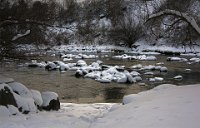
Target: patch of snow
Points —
{"points": [[162, 107], [13, 110], [4, 112]]}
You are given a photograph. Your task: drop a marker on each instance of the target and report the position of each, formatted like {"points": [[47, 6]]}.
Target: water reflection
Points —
{"points": [[114, 94]]}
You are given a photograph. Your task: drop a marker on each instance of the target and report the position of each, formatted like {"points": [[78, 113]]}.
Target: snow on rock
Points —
{"points": [[138, 66], [176, 59], [130, 78], [137, 78], [62, 66], [134, 73], [156, 79], [50, 101], [35, 64], [163, 107], [148, 73], [81, 63], [37, 97], [160, 63], [67, 59], [51, 66], [122, 78], [195, 60], [144, 57], [188, 70], [179, 77], [25, 104], [103, 80], [93, 75], [129, 57], [20, 89], [163, 69], [80, 72]]}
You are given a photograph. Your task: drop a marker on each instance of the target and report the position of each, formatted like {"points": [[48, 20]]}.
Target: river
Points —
{"points": [[84, 90]]}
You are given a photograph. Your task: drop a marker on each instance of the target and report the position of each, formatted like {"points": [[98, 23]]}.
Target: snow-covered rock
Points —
{"points": [[7, 95], [21, 89], [196, 60], [149, 67], [81, 63], [67, 59], [122, 78], [51, 66], [37, 97], [138, 66], [148, 73], [144, 57], [50, 101], [176, 59], [93, 75], [134, 73], [156, 79], [188, 70], [130, 78], [103, 80], [25, 104], [179, 77], [137, 78], [79, 73], [163, 69]]}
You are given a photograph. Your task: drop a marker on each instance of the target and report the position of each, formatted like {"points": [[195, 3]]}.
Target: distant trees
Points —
{"points": [[115, 10], [22, 15], [126, 21]]}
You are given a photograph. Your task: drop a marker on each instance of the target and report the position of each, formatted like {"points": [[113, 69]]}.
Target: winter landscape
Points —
{"points": [[99, 63]]}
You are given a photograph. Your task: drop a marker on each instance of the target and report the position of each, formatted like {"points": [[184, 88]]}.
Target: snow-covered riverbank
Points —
{"points": [[162, 107]]}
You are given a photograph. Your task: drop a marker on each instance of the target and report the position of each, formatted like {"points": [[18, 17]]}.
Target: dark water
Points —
{"points": [[82, 90]]}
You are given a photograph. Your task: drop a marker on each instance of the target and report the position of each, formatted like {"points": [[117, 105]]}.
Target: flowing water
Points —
{"points": [[84, 90]]}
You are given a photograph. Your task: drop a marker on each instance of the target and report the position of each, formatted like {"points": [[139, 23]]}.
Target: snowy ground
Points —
{"points": [[166, 106], [69, 116]]}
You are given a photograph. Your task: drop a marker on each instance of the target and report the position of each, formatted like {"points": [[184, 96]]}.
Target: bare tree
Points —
{"points": [[172, 21], [126, 31]]}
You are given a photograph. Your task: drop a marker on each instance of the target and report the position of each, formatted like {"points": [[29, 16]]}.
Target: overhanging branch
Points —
{"points": [[190, 20], [16, 22]]}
